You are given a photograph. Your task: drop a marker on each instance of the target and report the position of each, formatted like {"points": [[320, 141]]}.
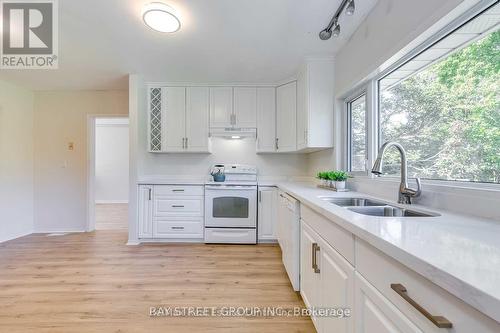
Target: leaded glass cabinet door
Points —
{"points": [[155, 119]]}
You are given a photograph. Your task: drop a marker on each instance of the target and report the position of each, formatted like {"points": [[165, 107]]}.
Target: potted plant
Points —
{"points": [[323, 178], [339, 178]]}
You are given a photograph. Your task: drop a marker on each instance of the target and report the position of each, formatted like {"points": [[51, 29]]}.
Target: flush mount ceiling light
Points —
{"points": [[334, 22], [160, 17]]}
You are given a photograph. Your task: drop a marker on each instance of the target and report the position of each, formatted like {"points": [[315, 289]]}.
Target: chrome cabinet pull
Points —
{"points": [[178, 228], [276, 144], [149, 194], [187, 145], [260, 196], [315, 250], [180, 190], [177, 206], [439, 321]]}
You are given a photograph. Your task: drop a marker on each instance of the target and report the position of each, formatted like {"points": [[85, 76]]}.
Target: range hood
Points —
{"points": [[233, 132]]}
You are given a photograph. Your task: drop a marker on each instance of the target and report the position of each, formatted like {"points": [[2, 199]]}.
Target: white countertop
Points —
{"points": [[461, 254]]}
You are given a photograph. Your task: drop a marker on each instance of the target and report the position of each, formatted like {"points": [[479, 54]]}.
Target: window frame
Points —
{"points": [[372, 89], [348, 107]]}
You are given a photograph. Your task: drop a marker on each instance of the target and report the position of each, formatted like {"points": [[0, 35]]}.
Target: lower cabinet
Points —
{"points": [[145, 211], [267, 214], [376, 314], [170, 212], [327, 282]]}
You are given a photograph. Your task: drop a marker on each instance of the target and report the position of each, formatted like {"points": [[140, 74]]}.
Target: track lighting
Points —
{"points": [[334, 22], [350, 8]]}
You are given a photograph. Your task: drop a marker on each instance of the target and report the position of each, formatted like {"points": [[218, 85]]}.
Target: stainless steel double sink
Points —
{"points": [[372, 207]]}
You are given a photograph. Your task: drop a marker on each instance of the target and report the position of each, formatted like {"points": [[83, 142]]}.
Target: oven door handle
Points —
{"points": [[224, 187]]}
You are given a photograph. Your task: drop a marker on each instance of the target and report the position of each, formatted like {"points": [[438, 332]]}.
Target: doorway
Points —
{"points": [[109, 172]]}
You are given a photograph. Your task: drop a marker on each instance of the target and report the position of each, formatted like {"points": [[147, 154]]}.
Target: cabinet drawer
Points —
{"points": [[179, 190], [382, 271], [182, 206], [337, 237], [227, 235], [178, 228]]}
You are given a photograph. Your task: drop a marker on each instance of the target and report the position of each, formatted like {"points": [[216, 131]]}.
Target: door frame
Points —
{"points": [[90, 172]]}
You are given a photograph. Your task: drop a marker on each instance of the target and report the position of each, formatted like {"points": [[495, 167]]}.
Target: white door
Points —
{"points": [[197, 115], [266, 119], [376, 314], [245, 107], [268, 201], [286, 121], [145, 211], [309, 273], [336, 289], [221, 107], [174, 129], [302, 109]]}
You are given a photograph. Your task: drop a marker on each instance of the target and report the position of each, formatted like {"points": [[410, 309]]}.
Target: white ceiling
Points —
{"points": [[257, 41]]}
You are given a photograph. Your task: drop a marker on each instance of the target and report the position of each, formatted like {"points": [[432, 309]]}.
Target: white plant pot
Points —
{"points": [[340, 185]]}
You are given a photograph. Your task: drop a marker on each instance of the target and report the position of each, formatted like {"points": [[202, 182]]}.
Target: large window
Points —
{"points": [[443, 106], [356, 109]]}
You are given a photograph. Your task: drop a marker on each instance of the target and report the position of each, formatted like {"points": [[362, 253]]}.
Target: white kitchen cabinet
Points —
{"points": [[197, 119], [221, 107], [145, 211], [286, 117], [336, 288], [267, 215], [327, 281], [309, 274], [266, 120], [174, 121], [315, 101], [178, 120], [375, 314], [245, 107]]}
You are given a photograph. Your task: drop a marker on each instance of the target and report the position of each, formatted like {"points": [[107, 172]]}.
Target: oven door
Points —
{"points": [[231, 206]]}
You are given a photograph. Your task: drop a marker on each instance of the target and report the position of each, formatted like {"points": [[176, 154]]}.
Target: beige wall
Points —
{"points": [[60, 175], [16, 161]]}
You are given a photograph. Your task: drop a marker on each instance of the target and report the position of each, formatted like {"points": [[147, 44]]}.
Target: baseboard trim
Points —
{"points": [[16, 237], [110, 202]]}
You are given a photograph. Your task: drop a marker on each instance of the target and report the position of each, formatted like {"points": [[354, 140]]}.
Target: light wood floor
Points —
{"points": [[93, 282], [111, 216]]}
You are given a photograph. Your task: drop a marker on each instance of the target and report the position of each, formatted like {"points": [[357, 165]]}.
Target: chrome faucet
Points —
{"points": [[405, 193]]}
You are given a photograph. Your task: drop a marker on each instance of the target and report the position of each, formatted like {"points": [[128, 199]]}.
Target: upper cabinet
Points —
{"points": [[178, 120], [266, 120], [286, 117], [245, 107], [233, 107], [293, 117], [221, 107], [315, 100]]}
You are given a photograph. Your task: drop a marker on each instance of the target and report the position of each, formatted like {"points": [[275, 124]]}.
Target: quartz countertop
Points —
{"points": [[459, 253]]}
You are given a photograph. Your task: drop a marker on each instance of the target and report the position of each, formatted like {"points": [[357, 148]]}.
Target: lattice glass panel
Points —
{"points": [[155, 119]]}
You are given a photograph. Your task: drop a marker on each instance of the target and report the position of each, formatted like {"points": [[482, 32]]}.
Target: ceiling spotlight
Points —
{"points": [[350, 8], [336, 31], [160, 17], [325, 34]]}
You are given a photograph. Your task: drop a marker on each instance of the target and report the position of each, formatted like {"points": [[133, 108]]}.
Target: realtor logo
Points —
{"points": [[29, 34]]}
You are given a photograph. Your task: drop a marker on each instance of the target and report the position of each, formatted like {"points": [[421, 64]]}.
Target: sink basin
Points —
{"points": [[353, 202], [388, 211]]}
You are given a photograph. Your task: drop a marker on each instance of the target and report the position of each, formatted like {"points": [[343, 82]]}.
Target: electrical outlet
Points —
{"points": [[71, 146]]}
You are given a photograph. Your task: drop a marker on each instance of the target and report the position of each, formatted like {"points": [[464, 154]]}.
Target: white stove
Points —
{"points": [[231, 206]]}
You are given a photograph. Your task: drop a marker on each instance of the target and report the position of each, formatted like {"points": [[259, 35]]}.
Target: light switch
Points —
{"points": [[71, 146]]}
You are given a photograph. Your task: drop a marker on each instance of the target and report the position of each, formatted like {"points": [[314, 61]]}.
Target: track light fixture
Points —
{"points": [[334, 22]]}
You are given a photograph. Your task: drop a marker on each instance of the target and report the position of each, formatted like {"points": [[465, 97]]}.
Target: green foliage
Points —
{"points": [[335, 175], [448, 116]]}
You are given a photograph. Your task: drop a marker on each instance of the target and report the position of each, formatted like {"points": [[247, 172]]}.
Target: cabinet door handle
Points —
{"points": [[439, 321], [179, 190], [187, 145], [149, 194], [315, 250], [177, 228], [177, 206], [260, 196], [276, 143]]}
